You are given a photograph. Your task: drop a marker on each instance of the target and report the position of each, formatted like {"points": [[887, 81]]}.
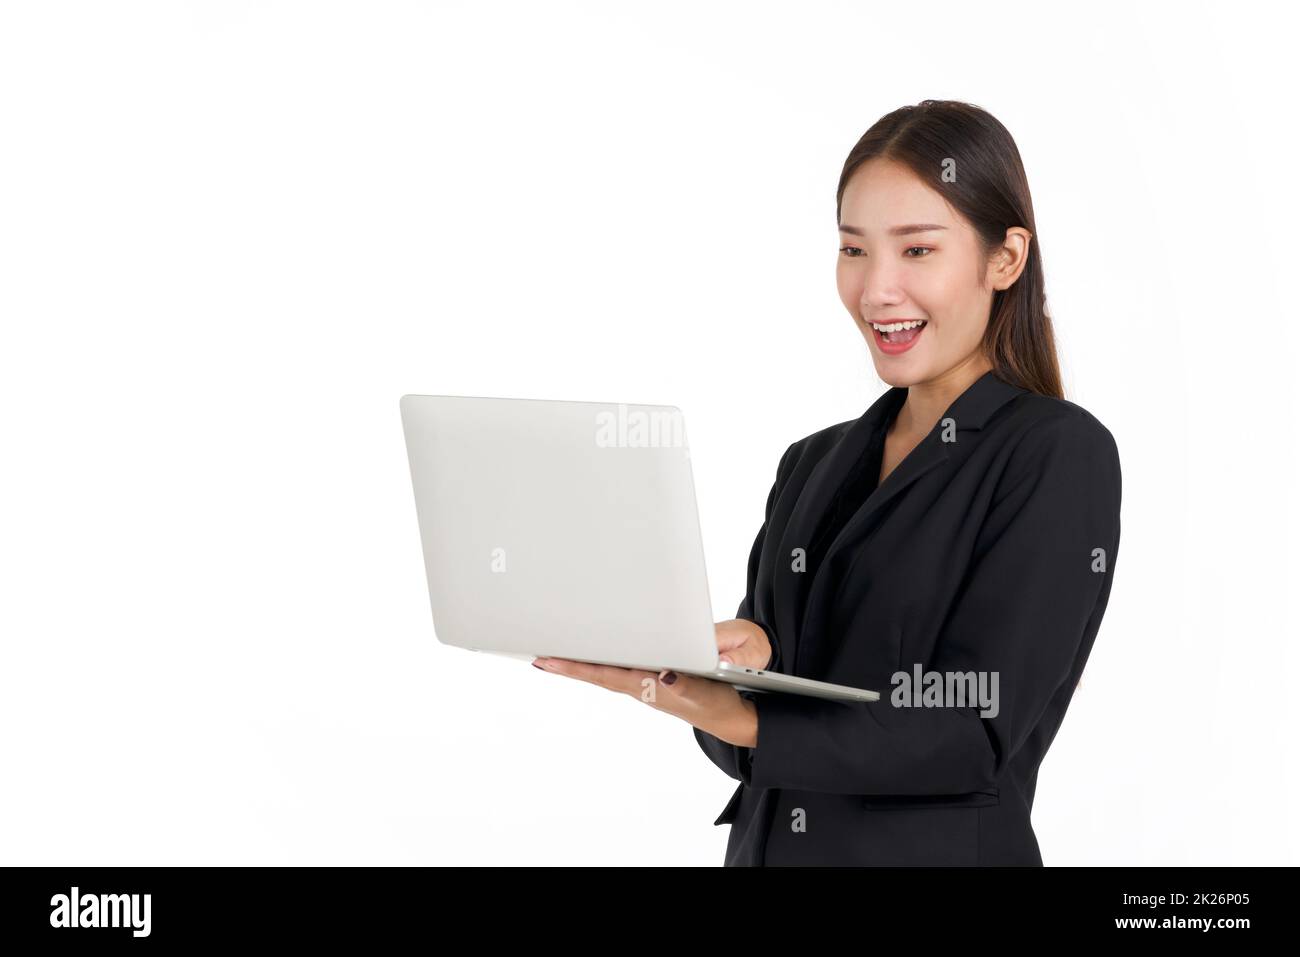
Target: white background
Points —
{"points": [[233, 234]]}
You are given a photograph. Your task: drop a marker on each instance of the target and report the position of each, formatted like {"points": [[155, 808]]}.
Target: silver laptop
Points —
{"points": [[569, 530]]}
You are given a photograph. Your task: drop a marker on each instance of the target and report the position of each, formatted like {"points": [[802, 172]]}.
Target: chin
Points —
{"points": [[899, 374], [899, 379]]}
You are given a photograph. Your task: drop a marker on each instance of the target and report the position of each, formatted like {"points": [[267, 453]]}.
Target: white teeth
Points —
{"points": [[897, 326]]}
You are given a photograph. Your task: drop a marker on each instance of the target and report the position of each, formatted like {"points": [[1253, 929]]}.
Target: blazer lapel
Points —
{"points": [[814, 498], [969, 412]]}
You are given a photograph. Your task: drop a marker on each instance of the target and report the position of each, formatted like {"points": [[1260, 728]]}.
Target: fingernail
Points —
{"points": [[669, 677], [536, 665]]}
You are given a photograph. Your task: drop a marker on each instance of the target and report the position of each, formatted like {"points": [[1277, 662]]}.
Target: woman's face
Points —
{"points": [[906, 255]]}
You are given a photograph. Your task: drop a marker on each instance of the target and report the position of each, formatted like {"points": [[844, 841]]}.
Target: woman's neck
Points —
{"points": [[927, 401]]}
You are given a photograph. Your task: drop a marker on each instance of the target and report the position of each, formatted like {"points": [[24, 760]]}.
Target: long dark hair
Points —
{"points": [[991, 191]]}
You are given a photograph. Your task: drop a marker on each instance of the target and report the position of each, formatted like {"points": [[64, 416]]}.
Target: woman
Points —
{"points": [[960, 536]]}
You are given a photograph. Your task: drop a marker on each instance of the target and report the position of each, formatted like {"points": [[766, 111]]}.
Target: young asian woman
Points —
{"points": [[960, 535]]}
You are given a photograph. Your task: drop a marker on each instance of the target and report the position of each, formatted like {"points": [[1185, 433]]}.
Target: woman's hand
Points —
{"points": [[743, 643], [714, 707]]}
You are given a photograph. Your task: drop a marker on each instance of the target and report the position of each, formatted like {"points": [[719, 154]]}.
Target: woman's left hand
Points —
{"points": [[714, 707]]}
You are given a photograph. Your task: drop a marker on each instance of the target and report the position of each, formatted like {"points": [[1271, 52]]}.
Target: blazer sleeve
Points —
{"points": [[729, 757], [1034, 595]]}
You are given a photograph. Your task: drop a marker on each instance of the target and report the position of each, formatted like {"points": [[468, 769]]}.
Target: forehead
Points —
{"points": [[882, 193]]}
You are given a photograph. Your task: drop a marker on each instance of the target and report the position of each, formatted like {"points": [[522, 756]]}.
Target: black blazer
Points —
{"points": [[989, 548]]}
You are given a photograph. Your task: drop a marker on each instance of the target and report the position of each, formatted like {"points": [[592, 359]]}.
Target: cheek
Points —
{"points": [[936, 287], [849, 285], [950, 299]]}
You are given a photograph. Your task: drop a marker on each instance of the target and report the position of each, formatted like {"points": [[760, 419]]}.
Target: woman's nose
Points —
{"points": [[880, 289]]}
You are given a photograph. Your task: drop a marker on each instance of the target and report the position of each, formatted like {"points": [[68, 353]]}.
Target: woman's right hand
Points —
{"points": [[743, 643]]}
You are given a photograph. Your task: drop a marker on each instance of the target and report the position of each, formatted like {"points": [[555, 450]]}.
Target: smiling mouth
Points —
{"points": [[898, 333]]}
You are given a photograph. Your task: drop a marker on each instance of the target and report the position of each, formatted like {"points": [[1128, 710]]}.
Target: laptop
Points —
{"points": [[569, 530]]}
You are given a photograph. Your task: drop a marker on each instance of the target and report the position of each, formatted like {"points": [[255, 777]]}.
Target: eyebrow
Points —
{"points": [[896, 230]]}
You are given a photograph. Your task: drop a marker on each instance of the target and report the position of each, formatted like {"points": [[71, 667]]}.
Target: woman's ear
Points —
{"points": [[1009, 259]]}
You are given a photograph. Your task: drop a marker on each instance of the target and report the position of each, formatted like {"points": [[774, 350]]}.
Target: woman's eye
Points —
{"points": [[920, 252]]}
